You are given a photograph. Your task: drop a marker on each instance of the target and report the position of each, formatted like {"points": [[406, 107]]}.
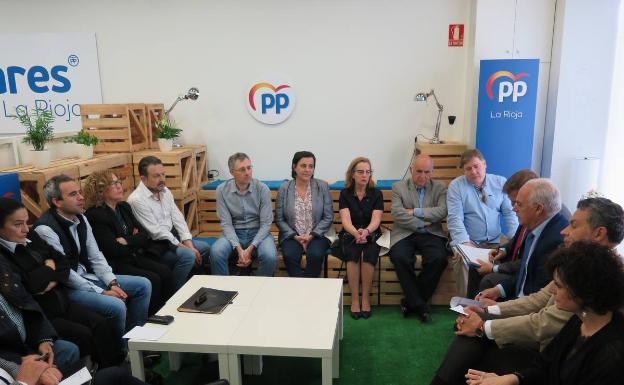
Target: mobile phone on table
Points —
{"points": [[160, 319]]}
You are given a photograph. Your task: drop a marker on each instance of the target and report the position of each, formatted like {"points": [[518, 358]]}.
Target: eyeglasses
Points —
{"points": [[362, 172], [115, 183], [243, 169]]}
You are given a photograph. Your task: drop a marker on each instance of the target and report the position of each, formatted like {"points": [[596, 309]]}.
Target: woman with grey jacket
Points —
{"points": [[303, 214]]}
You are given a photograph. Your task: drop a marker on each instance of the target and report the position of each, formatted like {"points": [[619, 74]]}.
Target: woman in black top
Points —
{"points": [[361, 207], [589, 282], [122, 239], [44, 272]]}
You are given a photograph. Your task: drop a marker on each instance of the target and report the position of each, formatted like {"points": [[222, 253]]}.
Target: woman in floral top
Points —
{"points": [[303, 214]]}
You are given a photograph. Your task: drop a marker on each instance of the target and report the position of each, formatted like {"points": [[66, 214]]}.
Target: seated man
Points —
{"points": [[24, 329], [91, 280], [504, 261], [538, 206], [244, 208], [418, 208], [153, 205], [512, 332], [476, 203]]}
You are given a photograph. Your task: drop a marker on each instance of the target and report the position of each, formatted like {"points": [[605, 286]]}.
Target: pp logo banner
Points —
{"points": [[271, 103], [506, 113]]}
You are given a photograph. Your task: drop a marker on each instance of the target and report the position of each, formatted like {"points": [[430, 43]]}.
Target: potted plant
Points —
{"points": [[167, 131], [39, 131], [86, 142]]}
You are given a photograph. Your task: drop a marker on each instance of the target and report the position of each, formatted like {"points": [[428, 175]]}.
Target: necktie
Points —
{"points": [[514, 253], [523, 263]]}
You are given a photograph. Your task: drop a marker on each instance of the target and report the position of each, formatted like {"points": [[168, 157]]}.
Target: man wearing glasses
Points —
{"points": [[153, 205], [244, 208], [418, 208], [476, 203]]}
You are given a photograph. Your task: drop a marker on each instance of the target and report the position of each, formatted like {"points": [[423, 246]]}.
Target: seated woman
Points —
{"points": [[361, 207], [589, 282], [43, 272], [303, 214], [122, 239]]}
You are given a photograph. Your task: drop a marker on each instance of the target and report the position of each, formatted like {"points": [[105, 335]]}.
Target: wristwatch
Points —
{"points": [[480, 332], [113, 283]]}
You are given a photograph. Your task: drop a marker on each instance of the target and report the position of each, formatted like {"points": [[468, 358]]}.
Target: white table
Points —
{"points": [[296, 317]]}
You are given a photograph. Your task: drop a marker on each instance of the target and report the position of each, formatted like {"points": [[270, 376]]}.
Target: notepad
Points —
{"points": [[471, 254], [207, 300], [80, 377]]}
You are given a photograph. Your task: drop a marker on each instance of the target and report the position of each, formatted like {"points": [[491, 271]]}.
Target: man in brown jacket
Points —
{"points": [[504, 337]]}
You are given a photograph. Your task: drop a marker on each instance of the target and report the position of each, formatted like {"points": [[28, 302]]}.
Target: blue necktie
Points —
{"points": [[524, 262]]}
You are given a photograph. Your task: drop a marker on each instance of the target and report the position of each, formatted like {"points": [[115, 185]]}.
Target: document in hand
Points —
{"points": [[206, 300], [471, 254]]}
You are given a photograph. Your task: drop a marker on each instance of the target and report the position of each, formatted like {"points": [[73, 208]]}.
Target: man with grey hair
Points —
{"points": [[538, 206], [244, 208]]}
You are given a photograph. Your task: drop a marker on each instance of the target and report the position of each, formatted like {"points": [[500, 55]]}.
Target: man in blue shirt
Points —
{"points": [[476, 202]]}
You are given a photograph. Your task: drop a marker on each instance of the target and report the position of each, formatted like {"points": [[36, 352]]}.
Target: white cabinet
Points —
{"points": [[514, 29]]}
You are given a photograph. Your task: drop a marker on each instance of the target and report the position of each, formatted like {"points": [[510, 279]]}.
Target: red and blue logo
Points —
{"points": [[271, 104], [515, 88]]}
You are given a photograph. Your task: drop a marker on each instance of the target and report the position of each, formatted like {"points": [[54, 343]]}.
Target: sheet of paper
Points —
{"points": [[465, 302], [459, 309], [78, 378], [474, 253], [148, 333]]}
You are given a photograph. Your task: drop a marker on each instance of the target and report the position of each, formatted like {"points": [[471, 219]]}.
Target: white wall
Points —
{"points": [[582, 78], [355, 64]]}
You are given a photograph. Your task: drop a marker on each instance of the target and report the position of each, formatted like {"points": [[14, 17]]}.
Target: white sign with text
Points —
{"points": [[49, 71]]}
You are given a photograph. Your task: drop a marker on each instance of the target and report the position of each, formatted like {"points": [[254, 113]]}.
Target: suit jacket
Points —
{"points": [[38, 328], [531, 321], [322, 209], [537, 275], [598, 360], [36, 276], [106, 230], [405, 196]]}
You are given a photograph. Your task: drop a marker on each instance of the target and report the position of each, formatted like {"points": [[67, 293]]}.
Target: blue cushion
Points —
{"points": [[382, 184], [271, 184]]}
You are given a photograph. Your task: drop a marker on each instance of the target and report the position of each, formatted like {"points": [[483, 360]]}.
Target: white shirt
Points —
{"points": [[158, 213]]}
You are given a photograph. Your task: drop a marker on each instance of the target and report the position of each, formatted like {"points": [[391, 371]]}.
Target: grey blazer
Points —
{"points": [[322, 209], [404, 196]]}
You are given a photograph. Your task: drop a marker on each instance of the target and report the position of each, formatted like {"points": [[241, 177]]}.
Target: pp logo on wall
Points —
{"points": [[271, 102], [506, 113], [49, 71]]}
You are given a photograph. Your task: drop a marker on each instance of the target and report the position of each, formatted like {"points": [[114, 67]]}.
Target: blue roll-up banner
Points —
{"points": [[506, 113]]}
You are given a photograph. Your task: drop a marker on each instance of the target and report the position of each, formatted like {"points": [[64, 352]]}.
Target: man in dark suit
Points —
{"points": [[538, 206], [418, 208]]}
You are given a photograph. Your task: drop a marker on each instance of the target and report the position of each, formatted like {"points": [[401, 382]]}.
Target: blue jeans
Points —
{"points": [[139, 291], [65, 353], [222, 251], [181, 261]]}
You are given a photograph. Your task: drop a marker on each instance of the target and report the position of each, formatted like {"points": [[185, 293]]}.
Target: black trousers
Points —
{"points": [[91, 332], [115, 376], [159, 275], [482, 354], [418, 289], [315, 255]]}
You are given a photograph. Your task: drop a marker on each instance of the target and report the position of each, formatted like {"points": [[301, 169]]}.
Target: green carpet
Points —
{"points": [[385, 349]]}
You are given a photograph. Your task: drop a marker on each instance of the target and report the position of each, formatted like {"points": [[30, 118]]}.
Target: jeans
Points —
{"points": [[65, 353], [315, 255], [139, 291], [222, 251], [181, 261]]}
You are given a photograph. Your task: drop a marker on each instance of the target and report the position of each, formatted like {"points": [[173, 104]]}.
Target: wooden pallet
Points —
{"points": [[154, 112], [33, 179], [446, 159], [118, 127], [200, 163], [188, 208], [179, 169]]}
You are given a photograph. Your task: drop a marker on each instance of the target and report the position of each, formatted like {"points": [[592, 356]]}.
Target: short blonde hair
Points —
{"points": [[351, 170], [95, 184]]}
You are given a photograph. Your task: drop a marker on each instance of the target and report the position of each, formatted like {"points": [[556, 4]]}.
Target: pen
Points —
{"points": [[43, 357]]}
